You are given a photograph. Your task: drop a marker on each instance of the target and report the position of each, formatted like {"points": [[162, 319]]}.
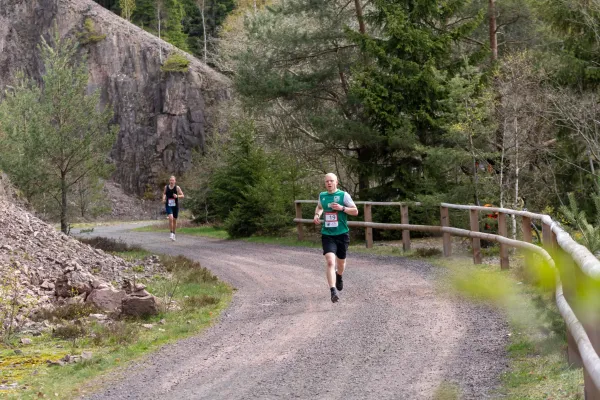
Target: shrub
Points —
{"points": [[176, 63], [115, 333], [191, 271], [66, 312], [70, 331], [89, 33], [428, 252], [110, 245]]}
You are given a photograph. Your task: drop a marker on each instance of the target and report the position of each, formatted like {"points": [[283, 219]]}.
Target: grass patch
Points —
{"points": [[200, 298], [447, 391]]}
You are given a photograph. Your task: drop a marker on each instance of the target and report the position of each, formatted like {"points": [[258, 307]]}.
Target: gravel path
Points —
{"points": [[393, 335]]}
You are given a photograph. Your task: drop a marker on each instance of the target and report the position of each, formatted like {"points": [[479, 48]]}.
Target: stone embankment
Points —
{"points": [[41, 269]]}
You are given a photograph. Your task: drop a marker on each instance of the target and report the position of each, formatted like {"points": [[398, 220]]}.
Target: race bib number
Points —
{"points": [[171, 202], [331, 220]]}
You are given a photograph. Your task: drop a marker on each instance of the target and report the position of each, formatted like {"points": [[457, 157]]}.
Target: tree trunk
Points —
{"points": [[204, 30], [516, 199], [474, 156], [493, 29], [63, 204], [359, 15], [502, 166], [158, 17]]}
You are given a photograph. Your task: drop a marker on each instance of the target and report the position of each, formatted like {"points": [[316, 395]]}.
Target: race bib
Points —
{"points": [[171, 202], [331, 220]]}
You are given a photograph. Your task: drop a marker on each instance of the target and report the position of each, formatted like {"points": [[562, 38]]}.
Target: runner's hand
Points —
{"points": [[317, 220], [174, 196], [337, 207]]}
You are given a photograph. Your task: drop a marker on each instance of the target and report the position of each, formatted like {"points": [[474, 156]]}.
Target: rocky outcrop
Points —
{"points": [[163, 117], [46, 268]]}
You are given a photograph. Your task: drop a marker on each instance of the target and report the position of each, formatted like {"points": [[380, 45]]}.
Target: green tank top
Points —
{"points": [[336, 222]]}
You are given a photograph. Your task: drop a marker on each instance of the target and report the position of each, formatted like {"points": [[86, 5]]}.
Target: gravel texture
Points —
{"points": [[393, 335]]}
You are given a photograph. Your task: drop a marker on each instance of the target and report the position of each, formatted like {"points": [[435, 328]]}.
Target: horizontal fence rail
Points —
{"points": [[583, 337]]}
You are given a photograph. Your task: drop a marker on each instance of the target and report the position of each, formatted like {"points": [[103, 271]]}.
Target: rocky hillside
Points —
{"points": [[162, 116], [44, 268]]}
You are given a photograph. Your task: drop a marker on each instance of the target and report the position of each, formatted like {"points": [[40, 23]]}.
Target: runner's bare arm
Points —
{"points": [[179, 193], [348, 207], [164, 198], [318, 212]]}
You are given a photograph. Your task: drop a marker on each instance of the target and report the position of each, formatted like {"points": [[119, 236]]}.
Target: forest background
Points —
{"points": [[466, 101]]}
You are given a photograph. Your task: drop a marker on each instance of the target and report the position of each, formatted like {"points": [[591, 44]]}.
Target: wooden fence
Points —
{"points": [[578, 266]]}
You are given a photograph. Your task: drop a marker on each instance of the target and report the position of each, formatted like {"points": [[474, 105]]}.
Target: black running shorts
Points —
{"points": [[173, 210], [337, 244]]}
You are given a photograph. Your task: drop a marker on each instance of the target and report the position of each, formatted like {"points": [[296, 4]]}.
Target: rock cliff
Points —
{"points": [[163, 117]]}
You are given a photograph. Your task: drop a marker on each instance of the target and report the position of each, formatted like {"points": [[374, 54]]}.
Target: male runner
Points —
{"points": [[336, 204], [171, 196]]}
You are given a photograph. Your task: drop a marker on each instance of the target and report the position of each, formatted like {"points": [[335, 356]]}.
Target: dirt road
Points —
{"points": [[393, 335]]}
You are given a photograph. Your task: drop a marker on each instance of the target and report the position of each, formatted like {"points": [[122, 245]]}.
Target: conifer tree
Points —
{"points": [[54, 135], [127, 8]]}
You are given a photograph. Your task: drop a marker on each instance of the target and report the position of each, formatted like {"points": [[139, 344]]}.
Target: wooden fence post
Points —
{"points": [[445, 221], [526, 229], [527, 237], [590, 323], [502, 231], [405, 233], [368, 231], [299, 225], [475, 242]]}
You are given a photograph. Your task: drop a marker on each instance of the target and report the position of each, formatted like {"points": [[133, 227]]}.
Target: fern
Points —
{"points": [[577, 219]]}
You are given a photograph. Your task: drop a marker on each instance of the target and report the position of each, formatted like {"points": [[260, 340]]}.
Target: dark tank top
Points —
{"points": [[169, 193]]}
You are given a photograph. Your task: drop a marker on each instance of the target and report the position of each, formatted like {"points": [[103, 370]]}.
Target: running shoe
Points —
{"points": [[334, 296], [339, 282], [173, 237]]}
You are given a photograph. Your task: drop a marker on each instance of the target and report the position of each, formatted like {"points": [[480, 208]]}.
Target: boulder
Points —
{"points": [[108, 299], [136, 306], [74, 283]]}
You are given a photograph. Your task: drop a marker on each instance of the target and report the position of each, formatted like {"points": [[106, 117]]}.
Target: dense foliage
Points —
{"points": [[249, 189]]}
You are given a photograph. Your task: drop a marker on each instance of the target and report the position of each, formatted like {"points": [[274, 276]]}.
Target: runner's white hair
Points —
{"points": [[331, 174]]}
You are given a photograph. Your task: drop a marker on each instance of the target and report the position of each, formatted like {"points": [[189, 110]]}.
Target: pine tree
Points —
{"points": [[127, 8], [174, 25], [54, 135], [402, 90]]}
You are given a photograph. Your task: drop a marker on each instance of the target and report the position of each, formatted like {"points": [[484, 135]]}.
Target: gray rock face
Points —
{"points": [[163, 117]]}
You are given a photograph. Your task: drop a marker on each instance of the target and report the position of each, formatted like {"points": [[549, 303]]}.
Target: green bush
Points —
{"points": [[90, 35], [176, 63], [252, 190]]}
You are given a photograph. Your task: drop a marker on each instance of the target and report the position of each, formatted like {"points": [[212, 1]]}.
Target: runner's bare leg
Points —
{"points": [[330, 268], [341, 265]]}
